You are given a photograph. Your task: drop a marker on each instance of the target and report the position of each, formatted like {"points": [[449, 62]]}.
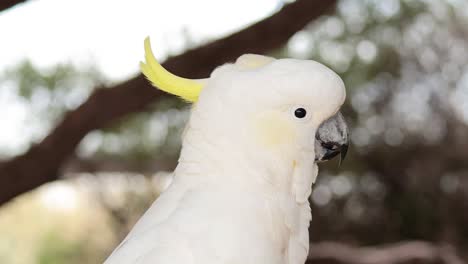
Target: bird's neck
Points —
{"points": [[224, 160], [284, 181]]}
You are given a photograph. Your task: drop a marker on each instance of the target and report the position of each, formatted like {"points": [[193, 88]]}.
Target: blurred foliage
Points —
{"points": [[75, 221], [404, 65], [55, 250], [57, 223], [35, 99], [46, 94], [52, 91], [142, 136]]}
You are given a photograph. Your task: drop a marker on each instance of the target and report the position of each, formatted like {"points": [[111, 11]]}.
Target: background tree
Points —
{"points": [[404, 65]]}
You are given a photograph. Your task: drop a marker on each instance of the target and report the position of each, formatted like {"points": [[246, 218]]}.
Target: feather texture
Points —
{"points": [[186, 89], [240, 191]]}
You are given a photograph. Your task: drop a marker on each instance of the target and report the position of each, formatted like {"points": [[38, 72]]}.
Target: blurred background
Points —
{"points": [[86, 145]]}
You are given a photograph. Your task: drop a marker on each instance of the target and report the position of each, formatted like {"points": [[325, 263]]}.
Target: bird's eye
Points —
{"points": [[300, 112]]}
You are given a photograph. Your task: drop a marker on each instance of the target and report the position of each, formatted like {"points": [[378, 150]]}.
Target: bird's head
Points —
{"points": [[258, 102]]}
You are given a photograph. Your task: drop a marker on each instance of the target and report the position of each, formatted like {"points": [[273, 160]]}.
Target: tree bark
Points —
{"points": [[42, 162], [5, 4], [76, 165], [401, 253]]}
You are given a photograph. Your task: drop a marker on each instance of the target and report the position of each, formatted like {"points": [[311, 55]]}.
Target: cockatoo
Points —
{"points": [[249, 158]]}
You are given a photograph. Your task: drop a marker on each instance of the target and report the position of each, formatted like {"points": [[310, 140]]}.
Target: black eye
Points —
{"points": [[300, 112]]}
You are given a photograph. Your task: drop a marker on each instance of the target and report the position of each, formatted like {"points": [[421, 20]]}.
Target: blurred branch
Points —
{"points": [[42, 162], [426, 162], [5, 4], [401, 253], [76, 165]]}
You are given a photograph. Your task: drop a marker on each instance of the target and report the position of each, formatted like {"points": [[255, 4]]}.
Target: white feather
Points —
{"points": [[240, 191]]}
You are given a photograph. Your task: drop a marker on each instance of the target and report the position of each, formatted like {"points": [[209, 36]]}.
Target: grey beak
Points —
{"points": [[331, 139]]}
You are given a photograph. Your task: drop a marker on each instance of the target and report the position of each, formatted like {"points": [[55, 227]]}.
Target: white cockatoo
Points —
{"points": [[248, 161]]}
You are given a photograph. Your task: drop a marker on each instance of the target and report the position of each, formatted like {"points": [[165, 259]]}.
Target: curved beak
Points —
{"points": [[332, 139]]}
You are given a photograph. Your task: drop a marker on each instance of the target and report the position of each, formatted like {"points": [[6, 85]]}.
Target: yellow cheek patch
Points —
{"points": [[274, 130]]}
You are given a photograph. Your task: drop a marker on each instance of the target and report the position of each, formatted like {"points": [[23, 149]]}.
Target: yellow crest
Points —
{"points": [[187, 89]]}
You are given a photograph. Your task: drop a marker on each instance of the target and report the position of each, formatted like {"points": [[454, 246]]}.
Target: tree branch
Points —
{"points": [[5, 4], [76, 165], [401, 253], [42, 162]]}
